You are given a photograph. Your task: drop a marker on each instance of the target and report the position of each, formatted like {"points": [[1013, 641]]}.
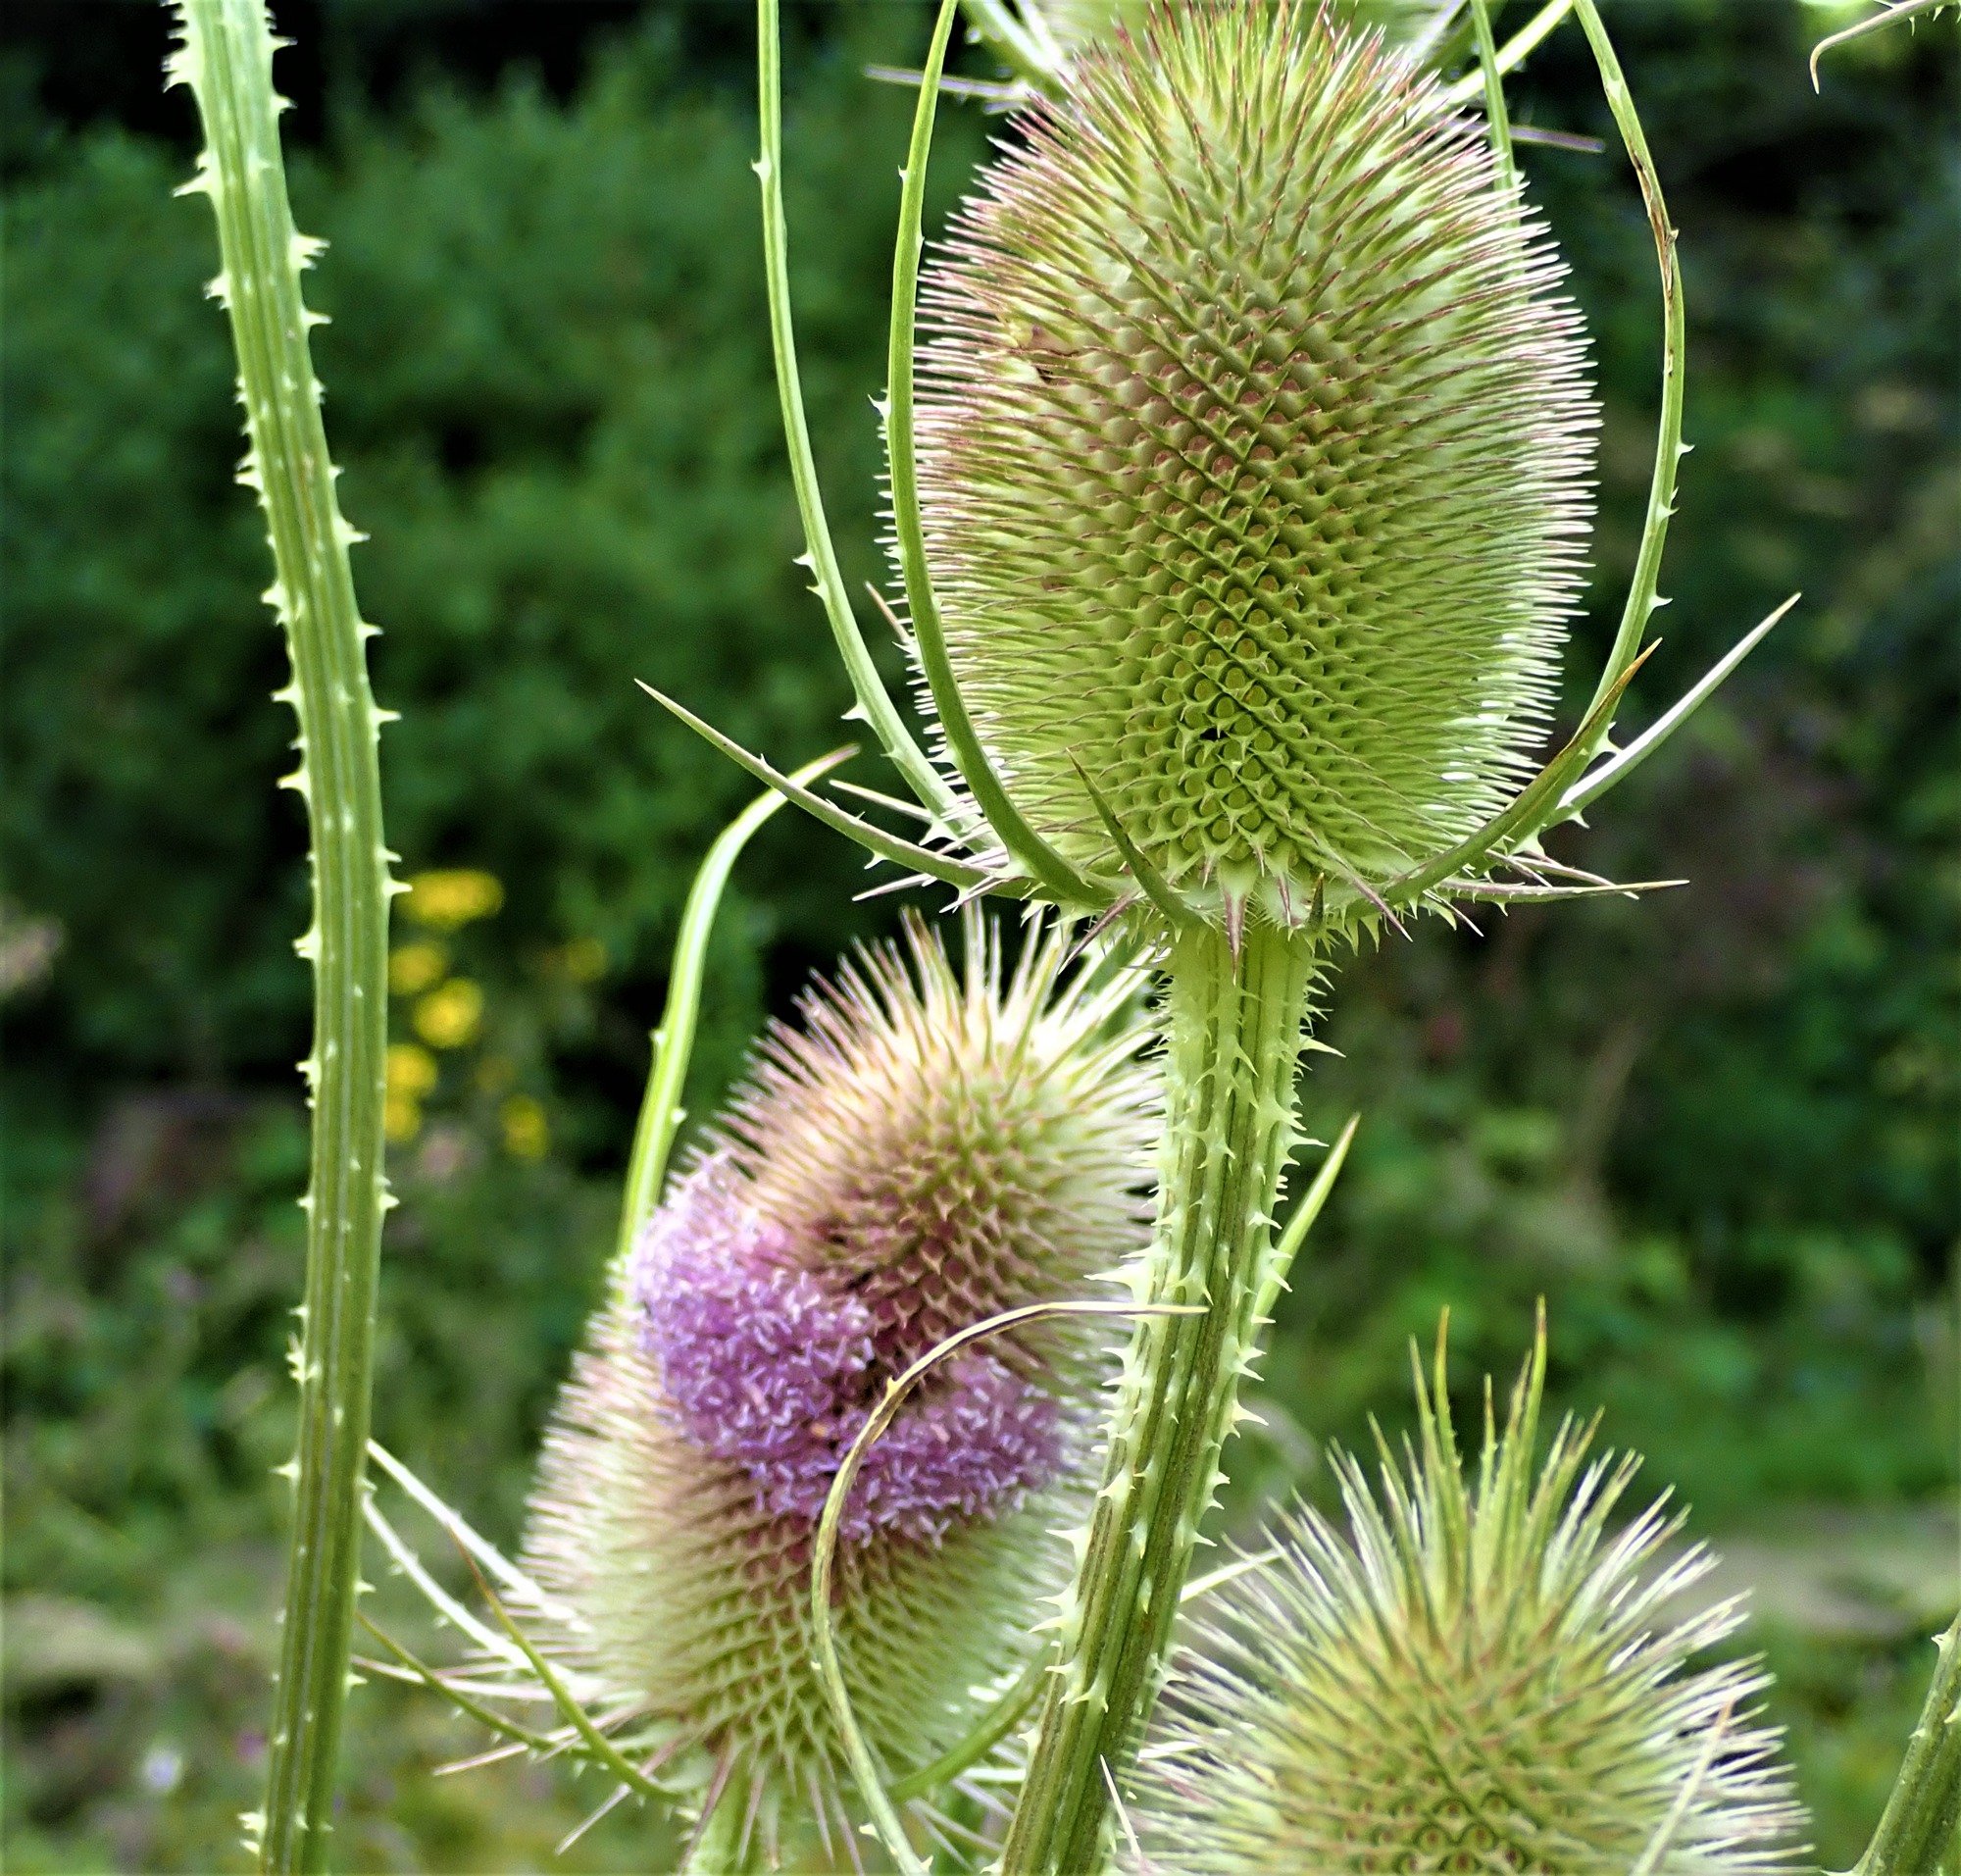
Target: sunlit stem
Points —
{"points": [[227, 59]]}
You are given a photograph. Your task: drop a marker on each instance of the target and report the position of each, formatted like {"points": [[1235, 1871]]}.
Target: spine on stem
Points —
{"points": [[225, 57], [1236, 1018]]}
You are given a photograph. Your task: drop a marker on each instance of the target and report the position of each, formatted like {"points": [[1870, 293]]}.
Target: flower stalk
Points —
{"points": [[1236, 1018], [225, 58]]}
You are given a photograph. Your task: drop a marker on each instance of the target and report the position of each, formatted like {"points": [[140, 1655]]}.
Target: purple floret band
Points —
{"points": [[772, 1365]]}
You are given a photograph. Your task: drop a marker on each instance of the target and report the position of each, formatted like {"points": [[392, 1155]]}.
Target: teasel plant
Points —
{"points": [[1240, 485], [1493, 1672], [1238, 492], [224, 56]]}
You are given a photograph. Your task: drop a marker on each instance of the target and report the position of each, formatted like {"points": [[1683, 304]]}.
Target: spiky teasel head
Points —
{"points": [[1254, 446], [1077, 22], [1474, 1676], [927, 1148]]}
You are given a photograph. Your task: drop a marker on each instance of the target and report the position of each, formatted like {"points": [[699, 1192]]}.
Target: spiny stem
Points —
{"points": [[1235, 1022], [1918, 1833], [225, 57]]}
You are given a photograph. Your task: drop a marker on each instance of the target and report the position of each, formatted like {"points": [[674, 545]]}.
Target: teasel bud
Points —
{"points": [[1254, 450], [1476, 1675], [926, 1149]]}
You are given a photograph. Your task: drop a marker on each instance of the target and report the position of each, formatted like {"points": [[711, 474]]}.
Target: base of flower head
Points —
{"points": [[692, 1604]]}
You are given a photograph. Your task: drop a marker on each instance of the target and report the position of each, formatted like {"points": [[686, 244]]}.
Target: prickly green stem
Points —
{"points": [[227, 59], [1236, 1025], [1920, 1830]]}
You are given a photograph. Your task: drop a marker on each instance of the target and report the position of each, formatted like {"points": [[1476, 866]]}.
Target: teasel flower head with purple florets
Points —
{"points": [[1495, 1674], [928, 1147]]}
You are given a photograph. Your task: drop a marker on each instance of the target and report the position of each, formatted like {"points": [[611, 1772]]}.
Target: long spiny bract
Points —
{"points": [[1254, 459], [924, 1150], [1472, 1676]]}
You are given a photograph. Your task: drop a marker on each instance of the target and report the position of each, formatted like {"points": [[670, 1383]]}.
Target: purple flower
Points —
{"points": [[775, 1367]]}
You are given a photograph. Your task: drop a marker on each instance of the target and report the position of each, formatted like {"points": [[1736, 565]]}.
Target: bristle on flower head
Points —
{"points": [[927, 1148], [1473, 1677], [1254, 448], [1078, 23]]}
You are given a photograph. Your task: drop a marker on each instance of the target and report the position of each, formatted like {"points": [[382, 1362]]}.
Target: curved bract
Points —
{"points": [[1475, 1675], [1254, 446], [926, 1148]]}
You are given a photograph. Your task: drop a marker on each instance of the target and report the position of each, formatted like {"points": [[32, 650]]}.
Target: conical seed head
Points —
{"points": [[926, 1148], [1254, 454], [1473, 1677]]}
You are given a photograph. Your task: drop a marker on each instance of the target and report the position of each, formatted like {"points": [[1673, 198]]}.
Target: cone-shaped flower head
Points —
{"points": [[1254, 455], [926, 1149], [1077, 22], [1473, 1677]]}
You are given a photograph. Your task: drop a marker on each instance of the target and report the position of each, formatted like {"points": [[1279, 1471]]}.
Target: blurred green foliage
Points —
{"points": [[1715, 1129]]}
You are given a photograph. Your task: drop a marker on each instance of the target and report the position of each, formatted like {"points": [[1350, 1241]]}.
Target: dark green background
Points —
{"points": [[1716, 1129]]}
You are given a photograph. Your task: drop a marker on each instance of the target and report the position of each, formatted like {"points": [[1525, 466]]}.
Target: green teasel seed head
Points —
{"points": [[927, 1147], [1484, 1674], [1255, 448]]}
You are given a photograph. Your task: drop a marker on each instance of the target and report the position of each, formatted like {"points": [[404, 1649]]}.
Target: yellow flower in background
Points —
{"points": [[401, 1116], [585, 960], [411, 1070], [450, 896], [416, 966], [451, 1014], [526, 1135]]}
